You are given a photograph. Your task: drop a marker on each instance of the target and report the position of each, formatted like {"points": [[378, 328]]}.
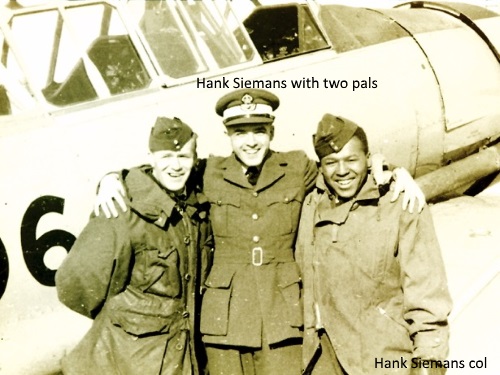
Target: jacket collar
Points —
{"points": [[149, 200], [328, 208], [272, 171]]}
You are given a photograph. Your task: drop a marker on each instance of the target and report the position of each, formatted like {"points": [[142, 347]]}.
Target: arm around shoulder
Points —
{"points": [[111, 190]]}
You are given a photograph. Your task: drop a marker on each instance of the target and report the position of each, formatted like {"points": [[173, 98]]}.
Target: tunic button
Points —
{"points": [[187, 240], [179, 346], [187, 277], [255, 194], [255, 239], [286, 199], [255, 216]]}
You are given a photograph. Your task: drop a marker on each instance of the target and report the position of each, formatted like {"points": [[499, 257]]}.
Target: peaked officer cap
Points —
{"points": [[332, 135], [247, 106], [169, 134]]}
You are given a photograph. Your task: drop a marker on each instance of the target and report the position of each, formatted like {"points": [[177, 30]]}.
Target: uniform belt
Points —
{"points": [[256, 256]]}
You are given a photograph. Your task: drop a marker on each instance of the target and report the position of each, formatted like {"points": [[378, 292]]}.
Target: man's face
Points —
{"points": [[251, 142], [172, 168], [345, 171]]}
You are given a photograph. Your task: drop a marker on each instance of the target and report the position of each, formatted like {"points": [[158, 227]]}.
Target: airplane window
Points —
{"points": [[165, 36], [109, 49], [281, 31], [118, 62], [5, 108], [14, 97], [312, 38], [78, 53], [188, 38], [274, 31], [14, 94], [34, 49], [214, 22], [67, 81]]}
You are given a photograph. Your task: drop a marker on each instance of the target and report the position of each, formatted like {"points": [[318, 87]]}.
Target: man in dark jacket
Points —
{"points": [[138, 275], [375, 292]]}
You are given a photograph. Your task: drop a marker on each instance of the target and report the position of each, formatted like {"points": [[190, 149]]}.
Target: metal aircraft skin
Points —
{"points": [[81, 83]]}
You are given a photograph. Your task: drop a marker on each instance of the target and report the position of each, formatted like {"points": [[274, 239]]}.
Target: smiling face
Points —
{"points": [[251, 142], [172, 168], [345, 171]]}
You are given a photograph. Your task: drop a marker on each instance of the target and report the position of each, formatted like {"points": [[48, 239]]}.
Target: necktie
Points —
{"points": [[252, 175]]}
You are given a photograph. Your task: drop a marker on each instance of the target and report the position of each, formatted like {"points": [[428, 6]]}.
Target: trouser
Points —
{"points": [[275, 360]]}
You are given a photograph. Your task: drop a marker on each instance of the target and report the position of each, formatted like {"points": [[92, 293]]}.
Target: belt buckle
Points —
{"points": [[257, 256]]}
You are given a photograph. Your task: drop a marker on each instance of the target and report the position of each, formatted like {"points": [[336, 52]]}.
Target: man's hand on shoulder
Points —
{"points": [[109, 192], [404, 183]]}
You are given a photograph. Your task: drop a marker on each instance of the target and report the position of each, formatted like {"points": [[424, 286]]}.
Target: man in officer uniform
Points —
{"points": [[251, 313]]}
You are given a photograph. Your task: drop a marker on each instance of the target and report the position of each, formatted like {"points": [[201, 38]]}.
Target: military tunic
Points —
{"points": [[374, 280], [136, 276], [253, 289]]}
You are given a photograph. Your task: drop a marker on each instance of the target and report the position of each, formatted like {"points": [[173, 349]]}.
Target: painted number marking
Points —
{"points": [[4, 268], [34, 249]]}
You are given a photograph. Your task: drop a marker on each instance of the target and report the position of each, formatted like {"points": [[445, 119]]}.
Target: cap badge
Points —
{"points": [[247, 101]]}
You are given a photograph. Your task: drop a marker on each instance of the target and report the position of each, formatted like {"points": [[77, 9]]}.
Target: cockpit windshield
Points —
{"points": [[73, 52], [191, 37]]}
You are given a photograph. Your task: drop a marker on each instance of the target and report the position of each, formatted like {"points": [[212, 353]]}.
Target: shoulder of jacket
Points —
{"points": [[296, 159], [294, 154], [119, 224], [215, 161]]}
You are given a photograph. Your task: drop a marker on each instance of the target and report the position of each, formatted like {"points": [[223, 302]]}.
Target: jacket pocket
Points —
{"points": [[216, 302], [138, 324], [285, 205], [225, 213], [139, 314], [156, 271], [289, 282]]}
